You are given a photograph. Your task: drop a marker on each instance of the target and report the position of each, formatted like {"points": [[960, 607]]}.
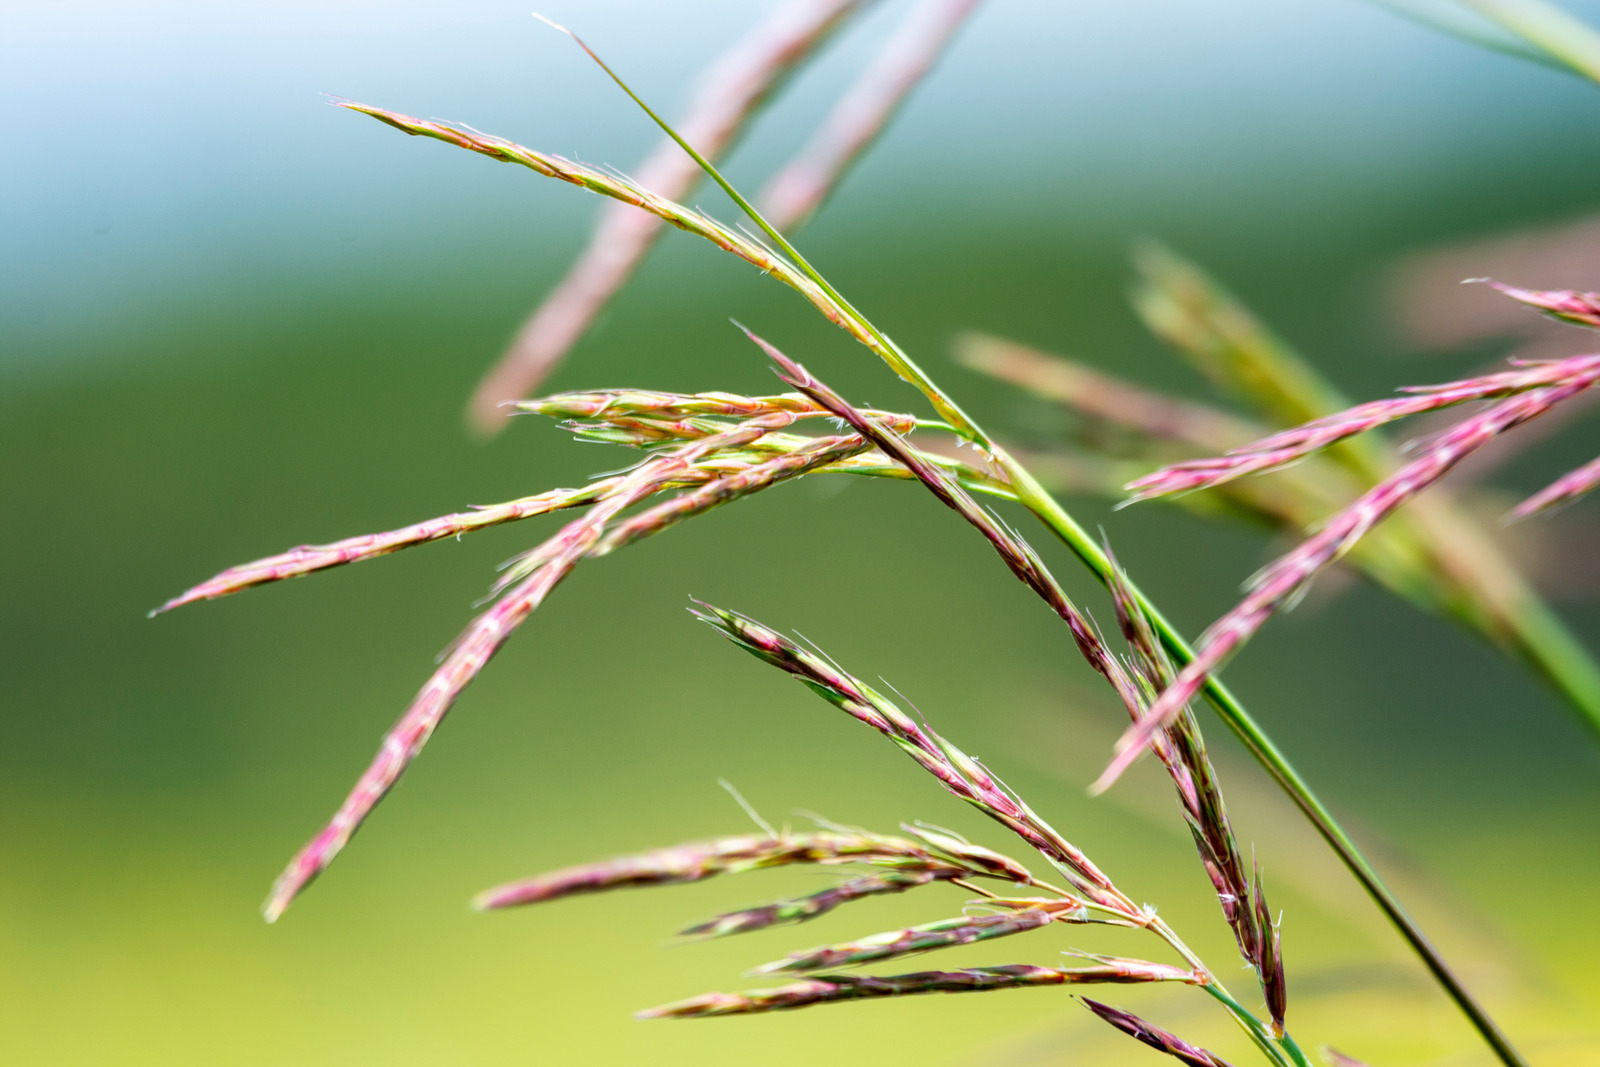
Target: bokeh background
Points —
{"points": [[234, 319]]}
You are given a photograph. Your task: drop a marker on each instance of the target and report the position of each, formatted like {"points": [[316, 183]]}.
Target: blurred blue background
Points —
{"points": [[234, 319]]}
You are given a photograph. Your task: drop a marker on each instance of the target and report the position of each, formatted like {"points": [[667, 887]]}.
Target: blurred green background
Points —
{"points": [[234, 320]]}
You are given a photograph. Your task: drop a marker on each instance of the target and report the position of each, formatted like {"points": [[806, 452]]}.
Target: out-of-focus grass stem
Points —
{"points": [[1570, 41], [1448, 18]]}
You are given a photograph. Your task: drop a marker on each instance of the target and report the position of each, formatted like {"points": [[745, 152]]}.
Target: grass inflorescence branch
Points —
{"points": [[701, 451]]}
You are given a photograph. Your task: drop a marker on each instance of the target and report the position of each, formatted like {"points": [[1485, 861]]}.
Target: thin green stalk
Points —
{"points": [[1242, 1015], [1037, 500], [1447, 19], [1285, 1051], [890, 352]]}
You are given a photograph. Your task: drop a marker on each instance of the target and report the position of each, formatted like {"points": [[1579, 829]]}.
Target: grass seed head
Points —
{"points": [[806, 908], [834, 988], [697, 860], [945, 933], [1568, 305], [1154, 1036]]}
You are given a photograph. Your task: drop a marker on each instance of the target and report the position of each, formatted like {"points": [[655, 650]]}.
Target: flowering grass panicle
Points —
{"points": [[701, 451]]}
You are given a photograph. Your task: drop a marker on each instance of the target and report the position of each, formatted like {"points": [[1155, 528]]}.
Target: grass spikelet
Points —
{"points": [[1567, 305], [1154, 1036], [1269, 962], [697, 417], [690, 221], [1280, 449], [931, 752], [974, 857], [606, 404], [928, 937], [834, 988], [697, 860], [812, 905], [823, 452], [309, 558], [1181, 750], [1564, 490]]}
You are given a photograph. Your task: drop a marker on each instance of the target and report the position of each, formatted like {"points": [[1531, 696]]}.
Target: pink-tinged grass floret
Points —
{"points": [[961, 775], [1154, 1036], [813, 905], [1283, 580], [895, 944], [1564, 490], [1568, 305], [702, 859], [481, 640], [1289, 446], [833, 988]]}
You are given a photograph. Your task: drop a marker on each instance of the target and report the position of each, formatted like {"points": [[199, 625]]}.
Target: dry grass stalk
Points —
{"points": [[1092, 892], [795, 193], [1567, 305], [1104, 397], [606, 404], [588, 412], [938, 856], [731, 93], [713, 461], [1123, 430], [1442, 560]]}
